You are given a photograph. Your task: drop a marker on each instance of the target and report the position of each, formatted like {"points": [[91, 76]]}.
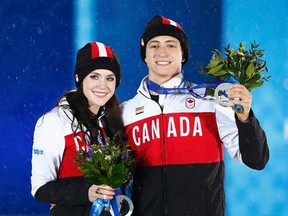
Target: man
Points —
{"points": [[178, 139]]}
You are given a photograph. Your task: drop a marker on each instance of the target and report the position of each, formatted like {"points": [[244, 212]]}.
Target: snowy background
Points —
{"points": [[39, 40]]}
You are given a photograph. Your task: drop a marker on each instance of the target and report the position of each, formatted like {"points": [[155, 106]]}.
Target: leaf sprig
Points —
{"points": [[246, 66], [110, 164]]}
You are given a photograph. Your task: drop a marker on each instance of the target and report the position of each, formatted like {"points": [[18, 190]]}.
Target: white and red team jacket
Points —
{"points": [[179, 144], [55, 177]]}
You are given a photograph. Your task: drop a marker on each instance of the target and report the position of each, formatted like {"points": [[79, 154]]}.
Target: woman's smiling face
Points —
{"points": [[99, 87]]}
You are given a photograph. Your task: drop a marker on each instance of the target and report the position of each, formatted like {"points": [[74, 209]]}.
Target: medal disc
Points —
{"points": [[221, 96], [125, 205]]}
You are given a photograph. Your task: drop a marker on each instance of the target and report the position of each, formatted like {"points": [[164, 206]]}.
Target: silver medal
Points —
{"points": [[221, 96]]}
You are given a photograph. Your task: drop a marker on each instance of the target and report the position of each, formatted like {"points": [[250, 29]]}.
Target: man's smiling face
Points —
{"points": [[163, 58]]}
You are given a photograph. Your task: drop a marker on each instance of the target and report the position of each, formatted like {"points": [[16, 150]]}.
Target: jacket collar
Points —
{"points": [[175, 82]]}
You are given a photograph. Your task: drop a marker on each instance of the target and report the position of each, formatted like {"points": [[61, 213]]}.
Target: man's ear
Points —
{"points": [[183, 58]]}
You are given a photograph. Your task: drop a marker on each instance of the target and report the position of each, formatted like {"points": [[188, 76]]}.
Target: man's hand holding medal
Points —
{"points": [[238, 71]]}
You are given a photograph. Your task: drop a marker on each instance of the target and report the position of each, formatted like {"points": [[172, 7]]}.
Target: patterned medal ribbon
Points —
{"points": [[195, 90]]}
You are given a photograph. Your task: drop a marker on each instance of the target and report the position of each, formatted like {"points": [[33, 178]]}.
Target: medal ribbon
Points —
{"points": [[99, 204], [191, 89], [184, 90]]}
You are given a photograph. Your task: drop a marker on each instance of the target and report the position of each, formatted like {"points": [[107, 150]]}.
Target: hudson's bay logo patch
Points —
{"points": [[139, 110], [190, 103]]}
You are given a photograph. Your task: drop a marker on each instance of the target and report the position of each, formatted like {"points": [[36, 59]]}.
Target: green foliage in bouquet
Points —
{"points": [[246, 66], [110, 163]]}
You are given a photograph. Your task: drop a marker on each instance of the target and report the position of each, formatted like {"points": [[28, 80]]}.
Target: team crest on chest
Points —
{"points": [[190, 103]]}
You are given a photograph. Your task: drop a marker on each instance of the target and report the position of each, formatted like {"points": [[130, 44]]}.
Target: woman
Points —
{"points": [[80, 118]]}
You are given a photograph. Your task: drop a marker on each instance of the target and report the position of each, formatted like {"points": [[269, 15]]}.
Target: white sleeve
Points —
{"points": [[228, 131], [48, 147]]}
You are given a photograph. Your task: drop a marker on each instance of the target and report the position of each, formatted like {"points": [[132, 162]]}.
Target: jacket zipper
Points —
{"points": [[164, 169], [165, 197]]}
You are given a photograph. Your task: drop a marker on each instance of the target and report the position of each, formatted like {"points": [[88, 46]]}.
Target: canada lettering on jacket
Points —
{"points": [[176, 127]]}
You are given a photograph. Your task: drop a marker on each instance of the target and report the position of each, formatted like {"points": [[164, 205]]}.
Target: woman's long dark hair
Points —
{"points": [[112, 120]]}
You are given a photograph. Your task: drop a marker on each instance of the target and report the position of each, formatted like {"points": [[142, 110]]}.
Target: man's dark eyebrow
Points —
{"points": [[156, 41]]}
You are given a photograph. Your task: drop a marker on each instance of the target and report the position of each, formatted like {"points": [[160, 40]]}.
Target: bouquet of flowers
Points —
{"points": [[110, 163], [243, 66]]}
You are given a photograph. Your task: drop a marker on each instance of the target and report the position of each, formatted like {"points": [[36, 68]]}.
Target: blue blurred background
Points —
{"points": [[39, 40]]}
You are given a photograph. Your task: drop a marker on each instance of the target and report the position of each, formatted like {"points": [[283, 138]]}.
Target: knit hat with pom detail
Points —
{"points": [[159, 26], [96, 55]]}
